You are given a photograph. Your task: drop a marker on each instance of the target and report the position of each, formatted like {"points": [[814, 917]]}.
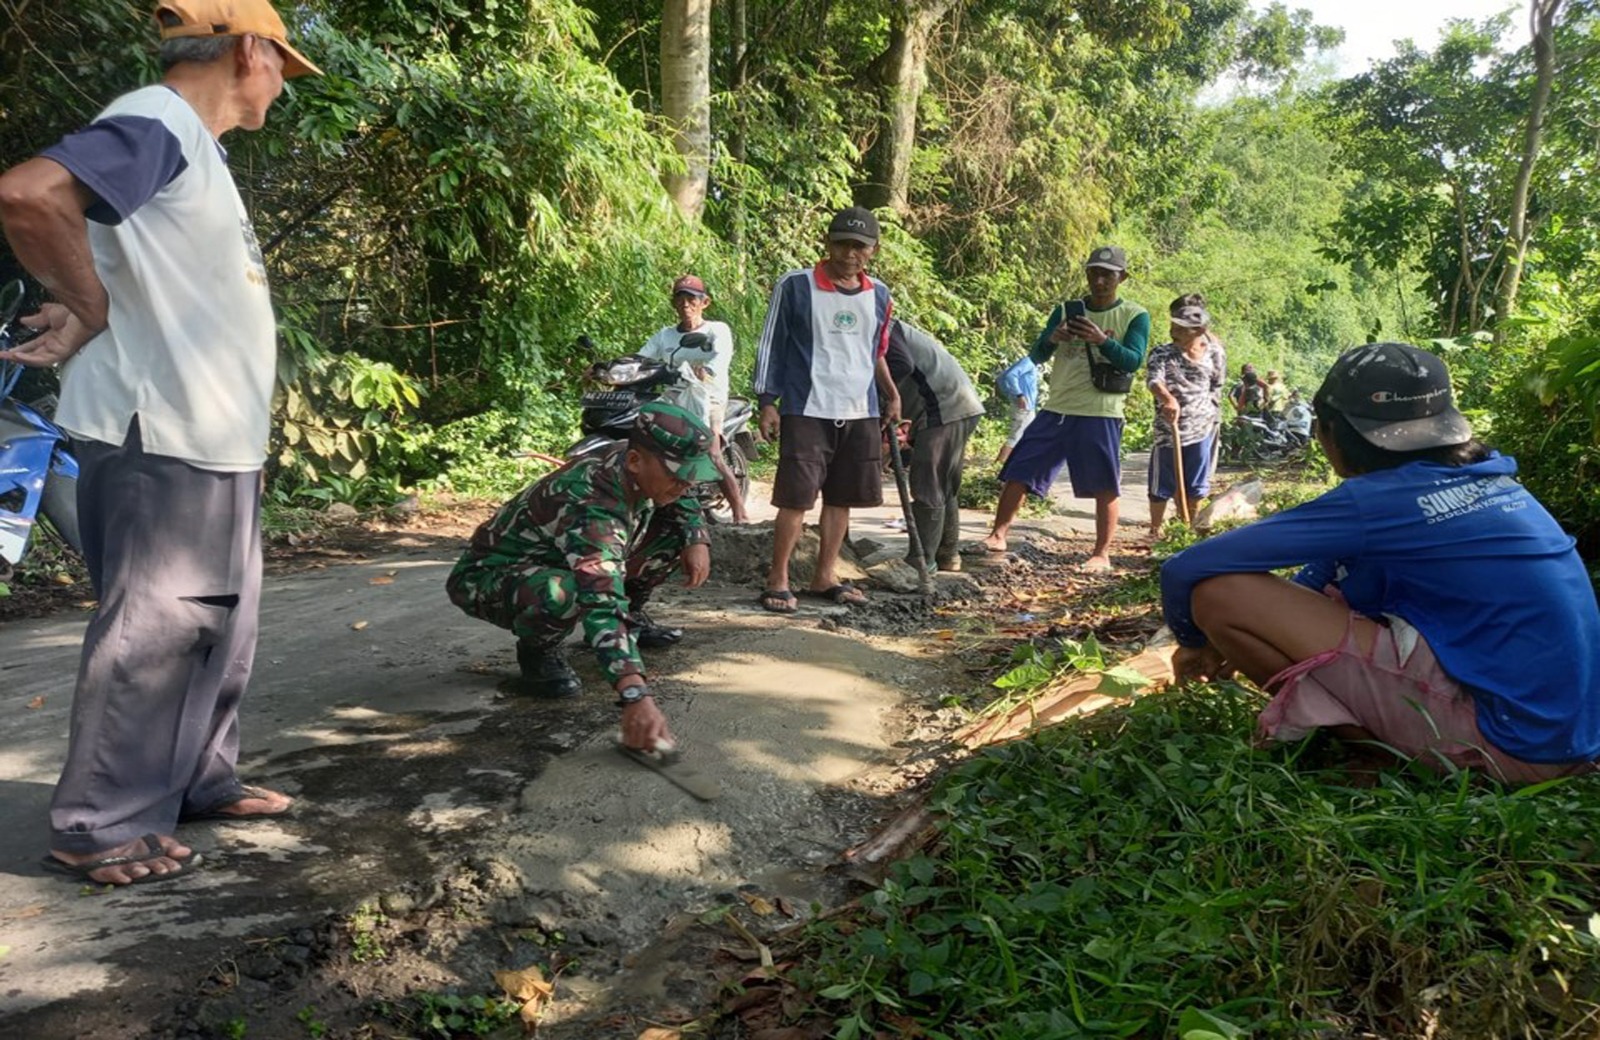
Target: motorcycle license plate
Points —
{"points": [[608, 399]]}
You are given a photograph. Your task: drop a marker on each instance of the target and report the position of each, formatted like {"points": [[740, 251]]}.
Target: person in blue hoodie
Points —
{"points": [[1019, 385], [1438, 609]]}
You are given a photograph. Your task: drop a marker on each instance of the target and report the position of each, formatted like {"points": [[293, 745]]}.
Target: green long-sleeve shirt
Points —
{"points": [[1071, 390]]}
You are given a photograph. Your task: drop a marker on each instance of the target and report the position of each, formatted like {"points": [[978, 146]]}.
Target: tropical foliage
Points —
{"points": [[473, 187]]}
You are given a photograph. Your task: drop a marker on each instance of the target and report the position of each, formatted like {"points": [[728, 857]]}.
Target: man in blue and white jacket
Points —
{"points": [[820, 377]]}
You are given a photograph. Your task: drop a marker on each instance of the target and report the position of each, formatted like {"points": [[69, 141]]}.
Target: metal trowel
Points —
{"points": [[669, 762]]}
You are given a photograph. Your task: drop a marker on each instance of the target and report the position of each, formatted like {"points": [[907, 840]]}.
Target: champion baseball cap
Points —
{"points": [[201, 18], [678, 438], [690, 284], [854, 224], [1397, 397], [1193, 316], [1112, 257]]}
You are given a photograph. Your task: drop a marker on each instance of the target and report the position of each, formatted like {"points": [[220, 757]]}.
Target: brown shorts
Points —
{"points": [[842, 458]]}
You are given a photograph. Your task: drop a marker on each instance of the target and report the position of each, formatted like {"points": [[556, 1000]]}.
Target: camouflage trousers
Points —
{"points": [[539, 604]]}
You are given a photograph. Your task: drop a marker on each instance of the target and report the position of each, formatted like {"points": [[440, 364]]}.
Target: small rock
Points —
{"points": [[431, 896], [342, 511], [298, 957], [257, 966], [865, 547], [396, 904], [598, 935], [895, 574]]}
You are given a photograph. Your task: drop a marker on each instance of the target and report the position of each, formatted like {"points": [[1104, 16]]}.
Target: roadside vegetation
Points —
{"points": [[1145, 872]]}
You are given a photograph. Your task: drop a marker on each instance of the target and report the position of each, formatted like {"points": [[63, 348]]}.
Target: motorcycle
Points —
{"points": [[1256, 438], [630, 381], [38, 472]]}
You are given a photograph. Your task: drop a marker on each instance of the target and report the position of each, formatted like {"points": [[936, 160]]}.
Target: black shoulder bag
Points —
{"points": [[1107, 378]]}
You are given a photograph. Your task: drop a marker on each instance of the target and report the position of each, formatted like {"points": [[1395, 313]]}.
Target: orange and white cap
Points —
{"points": [[200, 18]]}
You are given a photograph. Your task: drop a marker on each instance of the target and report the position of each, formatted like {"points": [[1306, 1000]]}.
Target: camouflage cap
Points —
{"points": [[678, 438]]}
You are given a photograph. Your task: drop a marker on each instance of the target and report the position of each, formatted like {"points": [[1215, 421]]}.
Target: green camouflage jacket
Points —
{"points": [[579, 519]]}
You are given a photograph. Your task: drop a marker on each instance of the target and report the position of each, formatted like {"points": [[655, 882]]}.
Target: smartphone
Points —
{"points": [[1074, 309]]}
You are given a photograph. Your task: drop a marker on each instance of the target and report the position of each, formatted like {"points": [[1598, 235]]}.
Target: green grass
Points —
{"points": [[1144, 873]]}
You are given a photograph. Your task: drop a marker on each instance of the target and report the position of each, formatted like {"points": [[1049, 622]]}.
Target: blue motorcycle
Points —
{"points": [[38, 473]]}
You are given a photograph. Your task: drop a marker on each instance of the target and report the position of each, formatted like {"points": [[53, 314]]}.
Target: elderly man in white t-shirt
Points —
{"points": [[165, 328], [690, 299]]}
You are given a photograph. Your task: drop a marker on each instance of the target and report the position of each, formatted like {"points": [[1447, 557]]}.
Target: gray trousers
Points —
{"points": [[937, 456], [175, 556]]}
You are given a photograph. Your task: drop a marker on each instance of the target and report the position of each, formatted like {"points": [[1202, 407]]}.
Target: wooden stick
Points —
{"points": [[1177, 465]]}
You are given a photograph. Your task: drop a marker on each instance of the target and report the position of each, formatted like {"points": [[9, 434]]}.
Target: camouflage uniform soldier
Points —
{"points": [[588, 543]]}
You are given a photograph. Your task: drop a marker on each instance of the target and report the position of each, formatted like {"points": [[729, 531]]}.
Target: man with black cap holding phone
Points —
{"points": [[1439, 610], [1097, 342], [587, 544], [822, 380], [163, 324]]}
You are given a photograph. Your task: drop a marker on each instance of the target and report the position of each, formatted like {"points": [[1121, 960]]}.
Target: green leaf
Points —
{"points": [[1195, 1024]]}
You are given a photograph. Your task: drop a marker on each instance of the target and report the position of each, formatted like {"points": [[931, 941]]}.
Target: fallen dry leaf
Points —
{"points": [[758, 905], [527, 984], [37, 702], [946, 634], [760, 947], [358, 625], [657, 1033], [787, 908], [382, 579], [62, 579]]}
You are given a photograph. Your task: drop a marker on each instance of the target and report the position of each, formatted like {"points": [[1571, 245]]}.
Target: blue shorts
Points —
{"points": [[1090, 446], [1197, 468]]}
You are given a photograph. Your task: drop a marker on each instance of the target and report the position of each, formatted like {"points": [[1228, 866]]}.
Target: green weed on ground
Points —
{"points": [[1143, 873]]}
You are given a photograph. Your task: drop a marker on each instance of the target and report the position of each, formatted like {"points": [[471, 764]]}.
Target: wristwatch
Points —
{"points": [[630, 695]]}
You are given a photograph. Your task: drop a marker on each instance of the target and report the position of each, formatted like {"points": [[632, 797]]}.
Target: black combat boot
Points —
{"points": [[546, 673], [648, 634]]}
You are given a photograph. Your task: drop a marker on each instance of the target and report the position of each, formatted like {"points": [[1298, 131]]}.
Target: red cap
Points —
{"points": [[691, 285]]}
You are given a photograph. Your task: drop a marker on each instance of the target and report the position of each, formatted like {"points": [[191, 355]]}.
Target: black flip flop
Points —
{"points": [[769, 597], [837, 594], [217, 812], [152, 843]]}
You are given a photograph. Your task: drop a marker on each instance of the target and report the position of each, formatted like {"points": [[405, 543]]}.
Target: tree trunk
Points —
{"points": [[738, 71], [686, 99], [1542, 22], [903, 74], [738, 78]]}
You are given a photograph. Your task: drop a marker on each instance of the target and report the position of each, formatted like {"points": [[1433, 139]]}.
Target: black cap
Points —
{"points": [[1397, 397], [854, 224], [1113, 257]]}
